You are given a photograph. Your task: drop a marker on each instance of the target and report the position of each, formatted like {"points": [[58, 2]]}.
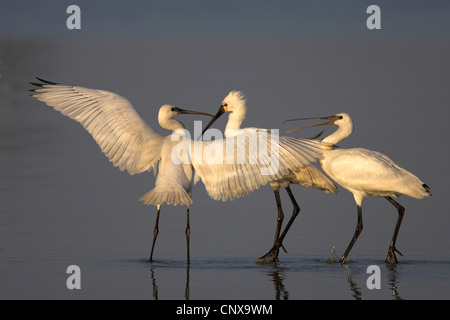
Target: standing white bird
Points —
{"points": [[307, 176], [367, 173], [132, 145], [128, 141]]}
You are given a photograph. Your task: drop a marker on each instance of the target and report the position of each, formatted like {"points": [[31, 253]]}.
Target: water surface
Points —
{"points": [[63, 203]]}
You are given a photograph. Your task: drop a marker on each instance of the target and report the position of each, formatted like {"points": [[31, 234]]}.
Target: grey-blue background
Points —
{"points": [[62, 203]]}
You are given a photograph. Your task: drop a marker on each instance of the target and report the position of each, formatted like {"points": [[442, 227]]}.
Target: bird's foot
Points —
{"points": [[272, 255], [391, 257]]}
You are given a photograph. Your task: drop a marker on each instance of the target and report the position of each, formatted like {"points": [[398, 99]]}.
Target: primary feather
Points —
{"points": [[123, 136]]}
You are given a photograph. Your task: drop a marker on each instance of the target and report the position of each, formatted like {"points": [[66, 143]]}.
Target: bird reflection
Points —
{"points": [[280, 291], [356, 290], [393, 281], [355, 276], [277, 276], [155, 286]]}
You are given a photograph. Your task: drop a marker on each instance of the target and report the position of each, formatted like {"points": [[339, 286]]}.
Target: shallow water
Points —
{"points": [[230, 279], [63, 204], [307, 278]]}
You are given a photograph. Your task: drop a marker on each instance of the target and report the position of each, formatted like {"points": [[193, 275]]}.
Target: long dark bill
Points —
{"points": [[220, 112], [330, 119], [183, 111]]}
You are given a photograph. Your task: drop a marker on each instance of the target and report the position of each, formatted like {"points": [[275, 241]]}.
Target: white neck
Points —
{"points": [[236, 118], [340, 134]]}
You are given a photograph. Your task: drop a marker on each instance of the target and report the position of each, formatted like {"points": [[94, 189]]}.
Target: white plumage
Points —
{"points": [[295, 166], [367, 173], [128, 141], [227, 181], [173, 183], [371, 174], [119, 130], [132, 145]]}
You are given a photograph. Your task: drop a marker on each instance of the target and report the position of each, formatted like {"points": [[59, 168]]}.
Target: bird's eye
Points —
{"points": [[224, 104], [340, 117], [173, 109]]}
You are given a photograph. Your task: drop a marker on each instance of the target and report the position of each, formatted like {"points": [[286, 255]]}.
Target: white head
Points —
{"points": [[342, 120], [235, 104], [167, 112]]}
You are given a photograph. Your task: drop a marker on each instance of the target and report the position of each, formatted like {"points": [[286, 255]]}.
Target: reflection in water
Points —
{"points": [[280, 291], [155, 286], [356, 290], [393, 280], [277, 276], [302, 278], [353, 273]]}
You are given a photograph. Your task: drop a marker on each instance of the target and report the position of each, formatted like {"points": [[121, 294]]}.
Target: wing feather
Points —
{"points": [[227, 181], [121, 133]]}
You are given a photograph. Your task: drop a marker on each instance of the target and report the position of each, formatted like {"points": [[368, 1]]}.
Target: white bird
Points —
{"points": [[132, 145], [307, 176], [367, 173], [128, 141]]}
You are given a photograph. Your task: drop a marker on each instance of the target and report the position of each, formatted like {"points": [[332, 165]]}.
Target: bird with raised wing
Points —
{"points": [[307, 175], [132, 145], [366, 173], [128, 141]]}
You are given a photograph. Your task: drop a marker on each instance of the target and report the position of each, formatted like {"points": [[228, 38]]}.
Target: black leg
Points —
{"points": [[391, 258], [155, 233], [272, 255], [188, 235], [187, 290], [280, 217], [294, 215], [358, 230]]}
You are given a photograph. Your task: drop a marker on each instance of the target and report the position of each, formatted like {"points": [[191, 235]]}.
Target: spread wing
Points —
{"points": [[123, 136], [235, 166]]}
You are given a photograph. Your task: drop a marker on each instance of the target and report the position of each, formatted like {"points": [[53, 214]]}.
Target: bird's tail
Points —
{"points": [[416, 189], [158, 196], [427, 189]]}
